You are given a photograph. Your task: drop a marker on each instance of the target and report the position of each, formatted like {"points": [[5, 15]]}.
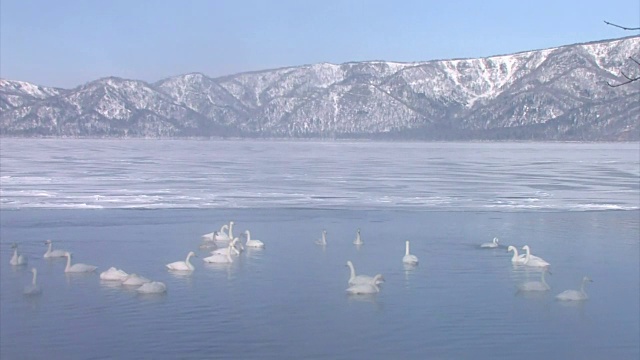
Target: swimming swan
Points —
{"points": [[575, 295], [490, 245], [323, 239], [217, 235], [153, 287], [182, 265], [113, 274], [358, 240], [33, 288], [221, 258], [77, 268], [53, 253], [17, 259], [135, 280], [408, 258], [362, 279], [516, 259], [535, 285], [365, 288], [253, 243], [222, 236], [531, 260], [230, 249]]}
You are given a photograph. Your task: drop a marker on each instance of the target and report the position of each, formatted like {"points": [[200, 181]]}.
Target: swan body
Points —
{"points": [[362, 279], [217, 235], [219, 258], [33, 288], [323, 239], [252, 242], [53, 253], [182, 265], [492, 244], [135, 280], [113, 274], [575, 295], [153, 287], [17, 259], [231, 249], [408, 258], [77, 268], [535, 285], [365, 288], [516, 259], [531, 260], [358, 240]]}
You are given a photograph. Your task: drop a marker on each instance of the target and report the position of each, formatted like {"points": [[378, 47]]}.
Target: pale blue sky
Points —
{"points": [[67, 43]]}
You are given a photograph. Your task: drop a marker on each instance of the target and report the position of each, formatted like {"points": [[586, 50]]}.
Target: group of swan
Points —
{"points": [[528, 259], [145, 286], [220, 235], [363, 284]]}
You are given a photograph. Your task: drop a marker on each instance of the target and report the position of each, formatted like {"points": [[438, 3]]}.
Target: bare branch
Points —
{"points": [[634, 60], [621, 27]]}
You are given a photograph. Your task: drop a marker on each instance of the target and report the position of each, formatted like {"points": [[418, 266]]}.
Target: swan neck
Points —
{"points": [[49, 247], [515, 253], [248, 235], [35, 273], [407, 248], [68, 261], [353, 271], [231, 230]]}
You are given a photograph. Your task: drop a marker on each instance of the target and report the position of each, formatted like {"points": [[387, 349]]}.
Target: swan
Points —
{"points": [[408, 258], [182, 265], [113, 274], [253, 243], [17, 259], [231, 248], [362, 279], [77, 268], [516, 259], [53, 253], [575, 295], [490, 245], [323, 239], [358, 240], [135, 280], [365, 288], [153, 287], [33, 288], [217, 235], [531, 260], [220, 258], [535, 285]]}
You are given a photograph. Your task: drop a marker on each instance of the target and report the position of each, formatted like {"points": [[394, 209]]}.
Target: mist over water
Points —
{"points": [[575, 205]]}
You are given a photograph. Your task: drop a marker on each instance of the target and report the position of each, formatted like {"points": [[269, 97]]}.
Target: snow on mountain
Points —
{"points": [[550, 94]]}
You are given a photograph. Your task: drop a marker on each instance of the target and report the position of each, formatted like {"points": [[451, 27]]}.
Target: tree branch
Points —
{"points": [[621, 27]]}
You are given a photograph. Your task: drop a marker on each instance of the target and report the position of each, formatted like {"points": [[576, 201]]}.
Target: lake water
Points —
{"points": [[139, 205]]}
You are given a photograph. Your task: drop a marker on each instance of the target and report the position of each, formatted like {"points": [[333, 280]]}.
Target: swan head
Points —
{"points": [[191, 253], [511, 248], [34, 271], [14, 246], [67, 254], [496, 240], [586, 279], [349, 263], [47, 242]]}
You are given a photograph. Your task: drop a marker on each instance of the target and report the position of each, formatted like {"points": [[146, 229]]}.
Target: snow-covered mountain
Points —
{"points": [[551, 94]]}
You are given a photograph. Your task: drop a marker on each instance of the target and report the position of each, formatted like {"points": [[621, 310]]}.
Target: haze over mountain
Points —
{"points": [[551, 94]]}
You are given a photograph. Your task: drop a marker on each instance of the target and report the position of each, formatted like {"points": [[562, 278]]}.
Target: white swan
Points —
{"points": [[182, 265], [230, 249], [53, 253], [358, 240], [323, 239], [77, 268], [17, 259], [408, 258], [535, 285], [492, 244], [220, 258], [575, 295], [33, 288], [365, 288], [153, 287], [217, 235], [113, 274], [362, 279], [135, 280], [252, 242], [531, 260], [516, 259]]}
